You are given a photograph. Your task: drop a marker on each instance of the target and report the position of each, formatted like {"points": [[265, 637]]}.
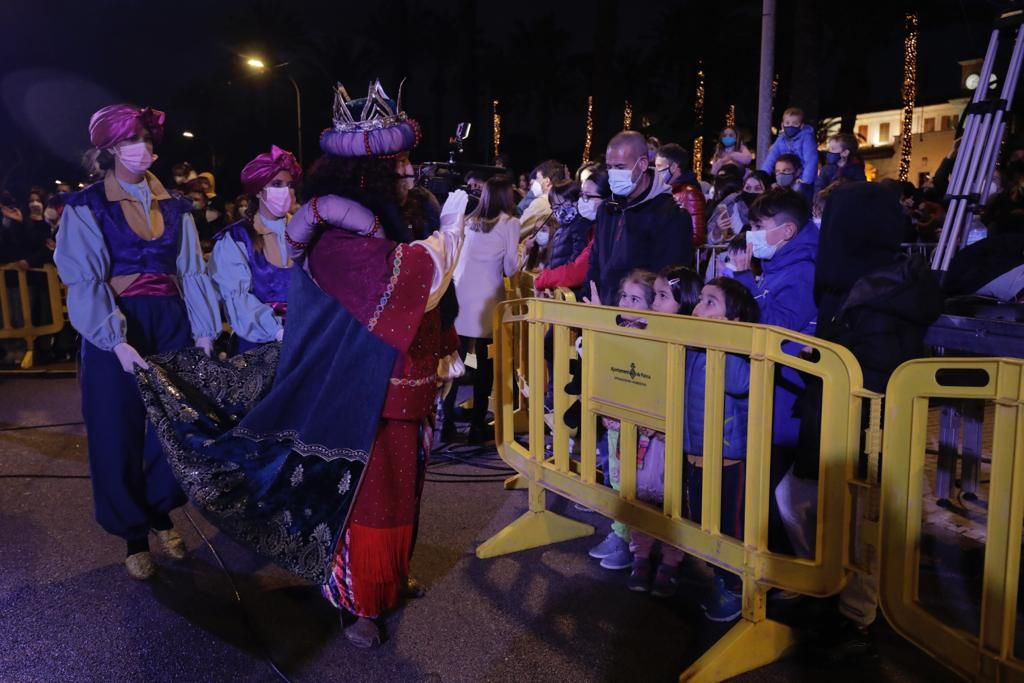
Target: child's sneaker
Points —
{"points": [[639, 580], [724, 605], [611, 544], [664, 582], [620, 559]]}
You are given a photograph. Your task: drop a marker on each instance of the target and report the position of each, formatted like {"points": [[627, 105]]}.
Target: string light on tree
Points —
{"points": [[627, 116], [590, 130], [698, 116], [909, 92], [496, 117], [730, 117]]}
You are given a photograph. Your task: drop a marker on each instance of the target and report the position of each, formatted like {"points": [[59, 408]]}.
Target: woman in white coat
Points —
{"points": [[489, 253]]}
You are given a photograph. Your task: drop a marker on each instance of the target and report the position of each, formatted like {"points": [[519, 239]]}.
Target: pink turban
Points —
{"points": [[116, 123], [258, 172]]}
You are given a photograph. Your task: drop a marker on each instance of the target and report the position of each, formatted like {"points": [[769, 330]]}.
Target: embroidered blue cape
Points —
{"points": [[275, 458]]}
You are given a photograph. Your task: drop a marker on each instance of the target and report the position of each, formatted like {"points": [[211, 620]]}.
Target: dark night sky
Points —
{"points": [[537, 57]]}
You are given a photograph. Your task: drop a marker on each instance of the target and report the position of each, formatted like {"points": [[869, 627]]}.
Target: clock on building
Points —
{"points": [[972, 80]]}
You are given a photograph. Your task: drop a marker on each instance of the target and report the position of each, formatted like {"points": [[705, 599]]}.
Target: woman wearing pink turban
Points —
{"points": [[129, 255], [250, 263]]}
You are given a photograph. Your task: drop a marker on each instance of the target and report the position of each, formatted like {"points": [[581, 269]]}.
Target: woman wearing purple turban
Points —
{"points": [[129, 255], [250, 260]]}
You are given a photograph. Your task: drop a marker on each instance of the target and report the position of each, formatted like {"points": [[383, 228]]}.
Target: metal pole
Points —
{"points": [[298, 116], [764, 93]]}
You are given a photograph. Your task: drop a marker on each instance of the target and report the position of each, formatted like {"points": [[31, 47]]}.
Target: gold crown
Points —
{"points": [[377, 111]]}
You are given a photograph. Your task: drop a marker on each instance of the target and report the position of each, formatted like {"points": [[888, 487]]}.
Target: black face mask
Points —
{"points": [[1015, 168]]}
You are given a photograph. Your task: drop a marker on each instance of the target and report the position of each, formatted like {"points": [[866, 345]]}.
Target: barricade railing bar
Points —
{"points": [[16, 312], [636, 376], [989, 654]]}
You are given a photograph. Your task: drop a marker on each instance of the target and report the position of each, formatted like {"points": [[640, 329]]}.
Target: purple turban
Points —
{"points": [[116, 123], [258, 172], [383, 141]]}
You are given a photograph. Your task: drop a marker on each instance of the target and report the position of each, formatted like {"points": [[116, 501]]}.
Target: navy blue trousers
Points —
{"points": [[132, 484]]}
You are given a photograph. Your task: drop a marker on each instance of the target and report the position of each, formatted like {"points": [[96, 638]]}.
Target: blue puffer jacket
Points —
{"points": [[804, 144], [734, 423], [570, 241], [785, 295]]}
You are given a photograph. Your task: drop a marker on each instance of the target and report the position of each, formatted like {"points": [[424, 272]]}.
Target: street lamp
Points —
{"points": [[259, 66], [187, 134]]}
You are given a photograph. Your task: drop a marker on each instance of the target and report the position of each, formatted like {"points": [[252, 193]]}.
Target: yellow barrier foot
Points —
{"points": [[747, 646], [515, 483], [28, 360], [532, 530]]}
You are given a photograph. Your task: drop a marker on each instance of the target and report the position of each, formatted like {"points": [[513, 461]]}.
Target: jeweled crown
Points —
{"points": [[377, 111]]}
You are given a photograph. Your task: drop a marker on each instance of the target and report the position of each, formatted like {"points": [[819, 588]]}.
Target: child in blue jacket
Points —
{"points": [[797, 138], [721, 299]]}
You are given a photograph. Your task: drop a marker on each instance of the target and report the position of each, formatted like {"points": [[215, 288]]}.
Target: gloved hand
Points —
{"points": [[206, 344], [451, 367], [128, 357], [454, 211]]}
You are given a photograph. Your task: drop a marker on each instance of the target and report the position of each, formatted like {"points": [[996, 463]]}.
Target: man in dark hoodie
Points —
{"points": [[878, 303], [640, 226]]}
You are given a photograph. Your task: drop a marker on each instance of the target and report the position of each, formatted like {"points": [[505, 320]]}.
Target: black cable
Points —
{"points": [[46, 426], [497, 480], [234, 587], [238, 598], [472, 475], [45, 476]]}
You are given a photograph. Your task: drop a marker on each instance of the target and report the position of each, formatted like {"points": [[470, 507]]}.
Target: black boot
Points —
{"points": [[481, 433], [844, 642], [449, 434]]}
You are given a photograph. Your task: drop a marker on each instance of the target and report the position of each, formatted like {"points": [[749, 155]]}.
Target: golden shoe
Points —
{"points": [[172, 543], [140, 566]]}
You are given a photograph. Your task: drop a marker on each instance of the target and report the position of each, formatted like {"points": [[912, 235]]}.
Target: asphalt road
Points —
{"points": [[69, 612]]}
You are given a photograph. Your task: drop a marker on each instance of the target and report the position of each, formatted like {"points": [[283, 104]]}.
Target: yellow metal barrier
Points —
{"points": [[990, 654], [28, 330], [636, 376]]}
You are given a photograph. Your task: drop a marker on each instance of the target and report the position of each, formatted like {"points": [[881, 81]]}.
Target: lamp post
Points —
{"points": [[259, 66]]}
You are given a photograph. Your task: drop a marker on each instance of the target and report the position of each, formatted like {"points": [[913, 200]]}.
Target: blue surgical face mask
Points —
{"points": [[621, 180], [785, 179], [791, 131], [832, 157], [728, 140]]}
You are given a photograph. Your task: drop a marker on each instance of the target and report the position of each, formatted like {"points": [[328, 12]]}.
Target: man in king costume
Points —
{"points": [[313, 452]]}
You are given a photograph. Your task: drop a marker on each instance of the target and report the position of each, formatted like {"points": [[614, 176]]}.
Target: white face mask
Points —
{"points": [[135, 156], [536, 189], [542, 238], [277, 200], [621, 180], [758, 240], [587, 208]]}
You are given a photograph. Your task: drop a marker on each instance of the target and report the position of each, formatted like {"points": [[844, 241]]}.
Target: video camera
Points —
{"points": [[441, 178]]}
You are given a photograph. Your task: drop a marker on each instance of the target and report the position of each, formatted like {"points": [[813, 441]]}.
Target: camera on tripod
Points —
{"points": [[442, 178]]}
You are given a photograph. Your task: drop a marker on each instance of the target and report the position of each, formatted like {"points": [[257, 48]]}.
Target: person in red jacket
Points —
{"points": [[674, 162], [594, 191]]}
